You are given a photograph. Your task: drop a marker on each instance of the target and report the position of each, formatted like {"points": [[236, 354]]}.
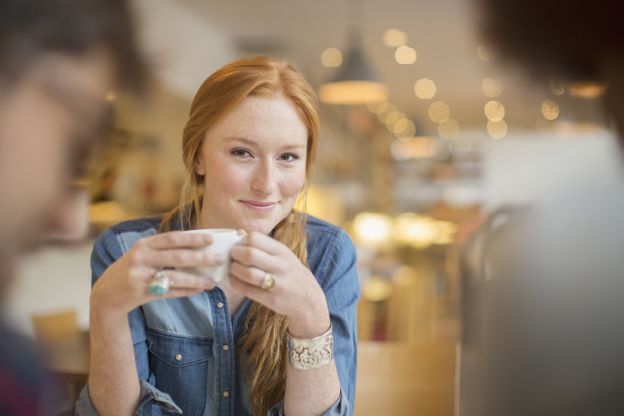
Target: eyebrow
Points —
{"points": [[255, 144]]}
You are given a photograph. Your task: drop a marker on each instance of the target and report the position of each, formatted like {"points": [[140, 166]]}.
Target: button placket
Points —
{"points": [[226, 364]]}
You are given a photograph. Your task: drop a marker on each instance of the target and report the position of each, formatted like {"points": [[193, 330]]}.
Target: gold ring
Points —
{"points": [[268, 281]]}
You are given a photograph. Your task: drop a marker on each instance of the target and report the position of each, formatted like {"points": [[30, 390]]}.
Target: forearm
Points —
{"points": [[312, 391], [113, 379]]}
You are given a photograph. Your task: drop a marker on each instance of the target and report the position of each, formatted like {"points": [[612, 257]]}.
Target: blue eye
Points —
{"points": [[242, 153]]}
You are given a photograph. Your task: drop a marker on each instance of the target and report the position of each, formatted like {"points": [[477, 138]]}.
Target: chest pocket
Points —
{"points": [[180, 367]]}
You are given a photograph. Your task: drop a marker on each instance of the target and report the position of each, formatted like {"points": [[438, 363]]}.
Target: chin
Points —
{"points": [[264, 226]]}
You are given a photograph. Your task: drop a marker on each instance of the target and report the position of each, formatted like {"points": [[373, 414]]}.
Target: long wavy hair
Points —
{"points": [[264, 334]]}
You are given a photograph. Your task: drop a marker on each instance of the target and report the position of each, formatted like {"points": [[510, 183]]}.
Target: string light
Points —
{"points": [[405, 55], [425, 89]]}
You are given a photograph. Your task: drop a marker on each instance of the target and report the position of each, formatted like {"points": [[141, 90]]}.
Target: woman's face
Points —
{"points": [[254, 165]]}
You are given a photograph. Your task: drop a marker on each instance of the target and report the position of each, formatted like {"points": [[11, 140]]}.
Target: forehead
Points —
{"points": [[263, 119]]}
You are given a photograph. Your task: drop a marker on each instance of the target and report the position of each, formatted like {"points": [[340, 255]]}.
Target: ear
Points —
{"points": [[200, 168]]}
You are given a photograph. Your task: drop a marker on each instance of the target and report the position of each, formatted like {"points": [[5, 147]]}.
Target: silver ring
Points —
{"points": [[268, 281], [159, 284]]}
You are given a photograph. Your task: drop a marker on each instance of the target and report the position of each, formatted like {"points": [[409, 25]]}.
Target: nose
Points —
{"points": [[264, 178]]}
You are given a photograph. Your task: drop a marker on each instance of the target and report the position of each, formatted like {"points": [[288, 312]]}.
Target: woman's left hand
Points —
{"points": [[296, 292]]}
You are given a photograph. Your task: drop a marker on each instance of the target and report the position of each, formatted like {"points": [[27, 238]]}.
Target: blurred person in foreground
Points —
{"points": [[58, 60], [278, 336], [544, 295]]}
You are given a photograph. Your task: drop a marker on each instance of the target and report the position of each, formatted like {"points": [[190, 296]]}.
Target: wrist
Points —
{"points": [[310, 321], [100, 310]]}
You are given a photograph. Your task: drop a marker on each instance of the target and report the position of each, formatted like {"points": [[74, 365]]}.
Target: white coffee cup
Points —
{"points": [[224, 240]]}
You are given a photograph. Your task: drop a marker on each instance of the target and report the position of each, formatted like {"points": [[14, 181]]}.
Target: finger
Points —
{"points": [[249, 275], [265, 297], [263, 242], [178, 239], [253, 256], [183, 258], [141, 273], [184, 280]]}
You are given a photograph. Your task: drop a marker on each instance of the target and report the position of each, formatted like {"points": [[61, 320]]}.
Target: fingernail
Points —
{"points": [[218, 258], [240, 231]]}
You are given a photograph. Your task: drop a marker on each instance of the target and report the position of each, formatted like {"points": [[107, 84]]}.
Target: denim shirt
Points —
{"points": [[185, 348]]}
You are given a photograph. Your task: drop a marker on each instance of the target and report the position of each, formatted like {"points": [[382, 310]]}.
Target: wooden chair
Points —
{"points": [[66, 348], [405, 379], [55, 327]]}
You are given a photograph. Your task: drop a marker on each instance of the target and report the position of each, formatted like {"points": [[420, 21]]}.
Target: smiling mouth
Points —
{"points": [[259, 205]]}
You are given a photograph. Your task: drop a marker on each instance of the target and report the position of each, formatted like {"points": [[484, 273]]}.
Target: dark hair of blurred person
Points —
{"points": [[543, 286], [58, 60], [566, 41]]}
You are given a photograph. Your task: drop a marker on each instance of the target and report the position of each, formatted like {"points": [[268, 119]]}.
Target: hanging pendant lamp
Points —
{"points": [[356, 83]]}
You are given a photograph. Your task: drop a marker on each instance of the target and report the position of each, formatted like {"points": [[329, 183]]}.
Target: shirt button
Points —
{"points": [[220, 305], [226, 347], [226, 393], [178, 357]]}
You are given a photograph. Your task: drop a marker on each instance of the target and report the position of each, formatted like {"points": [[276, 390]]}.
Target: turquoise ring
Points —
{"points": [[159, 284]]}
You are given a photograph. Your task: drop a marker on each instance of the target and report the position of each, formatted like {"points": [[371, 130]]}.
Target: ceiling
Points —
{"points": [[443, 33]]}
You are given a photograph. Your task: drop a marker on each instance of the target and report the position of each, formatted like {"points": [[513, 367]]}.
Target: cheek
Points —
{"points": [[223, 178], [38, 158], [293, 182]]}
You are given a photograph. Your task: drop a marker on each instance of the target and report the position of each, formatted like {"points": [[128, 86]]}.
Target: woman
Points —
{"points": [[230, 350]]}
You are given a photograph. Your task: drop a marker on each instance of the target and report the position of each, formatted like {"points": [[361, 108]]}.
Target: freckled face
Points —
{"points": [[254, 165]]}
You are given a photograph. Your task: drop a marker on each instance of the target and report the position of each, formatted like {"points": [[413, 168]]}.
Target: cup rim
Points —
{"points": [[211, 230]]}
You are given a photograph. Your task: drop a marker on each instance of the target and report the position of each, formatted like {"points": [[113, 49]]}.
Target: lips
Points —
{"points": [[259, 205]]}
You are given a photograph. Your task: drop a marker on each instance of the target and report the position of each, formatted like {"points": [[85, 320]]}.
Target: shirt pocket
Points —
{"points": [[180, 367]]}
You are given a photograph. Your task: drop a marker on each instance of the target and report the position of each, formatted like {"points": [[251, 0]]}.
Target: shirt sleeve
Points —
{"points": [[106, 251], [339, 408], [339, 279]]}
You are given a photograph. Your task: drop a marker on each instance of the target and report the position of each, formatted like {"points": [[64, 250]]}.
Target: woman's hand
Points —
{"points": [[124, 285], [296, 292]]}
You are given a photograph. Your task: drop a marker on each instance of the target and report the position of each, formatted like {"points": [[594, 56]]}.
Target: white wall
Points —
{"points": [[527, 166], [182, 47], [52, 279]]}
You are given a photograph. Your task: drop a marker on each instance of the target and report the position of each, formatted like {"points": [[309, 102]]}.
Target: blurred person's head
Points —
{"points": [[567, 41], [543, 302], [248, 148], [58, 61]]}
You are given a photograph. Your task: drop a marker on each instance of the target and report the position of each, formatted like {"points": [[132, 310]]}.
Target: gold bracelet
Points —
{"points": [[310, 353]]}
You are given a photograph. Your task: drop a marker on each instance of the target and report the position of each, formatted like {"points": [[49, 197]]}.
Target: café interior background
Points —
{"points": [[449, 134]]}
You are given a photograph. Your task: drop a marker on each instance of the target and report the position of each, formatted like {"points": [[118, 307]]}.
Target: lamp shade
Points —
{"points": [[355, 83]]}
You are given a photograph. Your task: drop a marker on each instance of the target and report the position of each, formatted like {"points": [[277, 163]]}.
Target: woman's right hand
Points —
{"points": [[123, 286]]}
